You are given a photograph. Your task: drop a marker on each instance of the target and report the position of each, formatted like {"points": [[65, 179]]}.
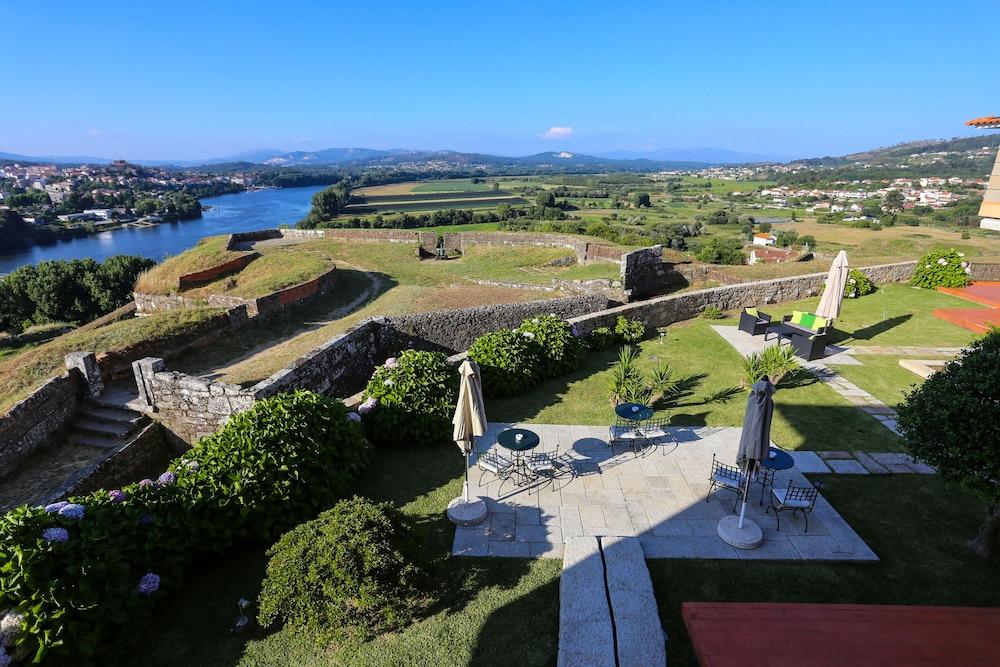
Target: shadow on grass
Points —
{"points": [[837, 427], [500, 643], [870, 332]]}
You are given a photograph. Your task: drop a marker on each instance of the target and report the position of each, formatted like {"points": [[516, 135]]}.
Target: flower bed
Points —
{"points": [[76, 574]]}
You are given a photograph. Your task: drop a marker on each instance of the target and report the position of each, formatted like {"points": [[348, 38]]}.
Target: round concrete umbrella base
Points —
{"points": [[463, 512], [749, 536]]}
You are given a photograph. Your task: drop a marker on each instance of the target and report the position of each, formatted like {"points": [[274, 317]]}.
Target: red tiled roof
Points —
{"points": [[984, 121], [774, 254], [806, 635]]}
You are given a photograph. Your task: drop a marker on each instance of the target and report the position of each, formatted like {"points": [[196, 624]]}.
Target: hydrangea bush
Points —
{"points": [[942, 268], [78, 573], [508, 360], [349, 571], [560, 351], [858, 285], [410, 399], [629, 331]]}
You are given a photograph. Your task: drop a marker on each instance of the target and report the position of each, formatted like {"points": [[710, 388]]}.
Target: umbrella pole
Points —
{"points": [[465, 486], [746, 488]]}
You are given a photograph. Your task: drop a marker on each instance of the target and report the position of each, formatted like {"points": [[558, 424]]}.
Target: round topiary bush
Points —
{"points": [[348, 571], [509, 361], [411, 398], [601, 338], [858, 285], [942, 268], [560, 351]]}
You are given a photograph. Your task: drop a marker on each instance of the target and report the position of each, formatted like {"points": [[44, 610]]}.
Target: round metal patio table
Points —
{"points": [[636, 412], [529, 440], [778, 459]]}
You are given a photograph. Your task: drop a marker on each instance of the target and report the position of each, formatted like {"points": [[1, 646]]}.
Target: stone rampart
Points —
{"points": [[985, 272], [665, 310], [37, 419], [191, 280]]}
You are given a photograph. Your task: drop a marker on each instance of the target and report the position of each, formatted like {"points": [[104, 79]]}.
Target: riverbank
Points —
{"points": [[224, 214]]}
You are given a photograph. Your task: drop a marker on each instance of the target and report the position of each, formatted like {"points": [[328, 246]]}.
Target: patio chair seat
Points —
{"points": [[727, 481], [781, 494], [493, 463], [541, 463], [620, 433], [655, 432]]}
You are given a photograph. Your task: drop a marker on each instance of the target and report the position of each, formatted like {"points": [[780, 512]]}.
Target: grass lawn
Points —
{"points": [[22, 372], [883, 377], [458, 185], [896, 314], [918, 526], [163, 278], [489, 611], [808, 415]]}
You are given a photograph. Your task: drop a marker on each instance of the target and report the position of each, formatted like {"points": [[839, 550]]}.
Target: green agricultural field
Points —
{"points": [[460, 185]]}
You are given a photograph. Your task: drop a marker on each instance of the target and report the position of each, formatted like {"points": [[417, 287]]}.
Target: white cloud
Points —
{"points": [[558, 132]]}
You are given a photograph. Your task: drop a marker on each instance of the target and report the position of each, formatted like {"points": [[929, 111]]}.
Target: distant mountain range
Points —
{"points": [[687, 158]]}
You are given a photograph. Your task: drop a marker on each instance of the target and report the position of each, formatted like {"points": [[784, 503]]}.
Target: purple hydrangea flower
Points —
{"points": [[118, 496], [193, 466], [149, 584], [145, 519], [391, 362], [573, 330], [146, 482], [167, 478], [55, 535], [55, 507], [72, 510], [368, 405], [4, 658], [353, 416]]}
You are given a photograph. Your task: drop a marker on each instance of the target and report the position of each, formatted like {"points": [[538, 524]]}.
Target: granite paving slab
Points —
{"points": [[659, 496]]}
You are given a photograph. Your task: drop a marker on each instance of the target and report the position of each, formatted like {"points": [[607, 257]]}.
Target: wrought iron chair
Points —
{"points": [[728, 478], [495, 464], [794, 499], [544, 464], [626, 431]]}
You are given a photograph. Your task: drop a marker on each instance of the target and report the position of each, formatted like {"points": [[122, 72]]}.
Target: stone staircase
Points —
{"points": [[106, 421]]}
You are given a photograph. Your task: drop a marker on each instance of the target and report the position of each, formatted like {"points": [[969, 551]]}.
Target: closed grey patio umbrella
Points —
{"points": [[755, 444]]}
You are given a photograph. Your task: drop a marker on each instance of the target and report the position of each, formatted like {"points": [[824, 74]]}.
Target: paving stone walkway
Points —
{"points": [[658, 496]]}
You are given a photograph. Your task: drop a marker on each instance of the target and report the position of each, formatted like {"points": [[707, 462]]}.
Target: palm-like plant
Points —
{"points": [[775, 362], [630, 385]]}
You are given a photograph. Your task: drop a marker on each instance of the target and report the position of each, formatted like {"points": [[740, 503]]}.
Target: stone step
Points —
{"points": [[101, 429], [638, 633], [115, 398], [586, 636], [94, 441], [97, 413]]}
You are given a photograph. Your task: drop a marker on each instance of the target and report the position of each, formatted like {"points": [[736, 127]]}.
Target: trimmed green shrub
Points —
{"points": [[601, 338], [941, 268], [776, 362], [858, 285], [81, 572], [629, 331], [712, 312], [950, 422], [509, 361], [347, 572], [411, 399], [560, 351]]}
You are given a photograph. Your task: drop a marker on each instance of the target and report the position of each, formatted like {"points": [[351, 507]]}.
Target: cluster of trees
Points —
{"points": [[450, 216], [74, 291], [720, 250], [174, 206], [722, 217], [16, 234]]}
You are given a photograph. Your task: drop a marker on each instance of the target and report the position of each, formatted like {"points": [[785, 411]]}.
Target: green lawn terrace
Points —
{"points": [[880, 329]]}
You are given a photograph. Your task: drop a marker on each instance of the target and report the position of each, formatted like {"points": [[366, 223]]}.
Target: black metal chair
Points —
{"points": [[656, 428], [544, 464], [626, 431], [495, 464], [794, 499], [754, 322], [728, 478]]}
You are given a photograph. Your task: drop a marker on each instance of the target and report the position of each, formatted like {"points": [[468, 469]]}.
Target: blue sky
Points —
{"points": [[162, 80]]}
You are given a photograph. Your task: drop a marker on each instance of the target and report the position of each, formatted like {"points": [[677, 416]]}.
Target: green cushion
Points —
{"points": [[808, 320], [797, 316], [752, 311]]}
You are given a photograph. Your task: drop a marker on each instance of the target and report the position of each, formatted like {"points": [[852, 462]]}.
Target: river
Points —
{"points": [[240, 212]]}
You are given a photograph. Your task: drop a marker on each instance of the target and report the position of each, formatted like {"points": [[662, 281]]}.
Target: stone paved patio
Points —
{"points": [[658, 496]]}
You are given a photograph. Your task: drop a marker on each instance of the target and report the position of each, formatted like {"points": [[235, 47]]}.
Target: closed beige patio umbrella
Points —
{"points": [[470, 414], [833, 294]]}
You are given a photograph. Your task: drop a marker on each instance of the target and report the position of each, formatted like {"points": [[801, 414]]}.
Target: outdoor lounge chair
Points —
{"points": [[729, 478], [807, 333], [794, 499], [754, 322]]}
